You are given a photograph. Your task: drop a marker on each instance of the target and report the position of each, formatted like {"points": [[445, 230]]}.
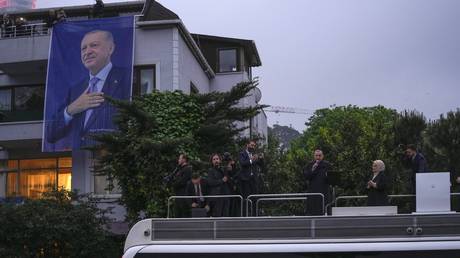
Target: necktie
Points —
{"points": [[198, 192], [92, 88]]}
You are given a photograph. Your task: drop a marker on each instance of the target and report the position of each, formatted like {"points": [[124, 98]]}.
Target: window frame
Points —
{"points": [[136, 91], [13, 93], [13, 102], [107, 194], [193, 89], [11, 98], [238, 59], [19, 171]]}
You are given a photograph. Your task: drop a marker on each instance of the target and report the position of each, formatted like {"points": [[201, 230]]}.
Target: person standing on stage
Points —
{"points": [[179, 183], [218, 183], [316, 175], [376, 186], [418, 164], [249, 162]]}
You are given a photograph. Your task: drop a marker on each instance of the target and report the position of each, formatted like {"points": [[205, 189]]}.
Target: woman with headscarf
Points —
{"points": [[376, 186]]}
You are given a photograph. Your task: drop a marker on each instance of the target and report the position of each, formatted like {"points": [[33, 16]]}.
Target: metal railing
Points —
{"points": [[205, 197], [349, 197], [279, 197], [26, 30], [283, 197]]}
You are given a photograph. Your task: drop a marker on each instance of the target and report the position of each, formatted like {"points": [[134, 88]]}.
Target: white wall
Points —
{"points": [[155, 46], [225, 81], [190, 70], [24, 49]]}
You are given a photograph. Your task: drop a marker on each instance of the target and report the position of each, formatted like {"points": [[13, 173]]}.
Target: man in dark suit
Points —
{"points": [[418, 164], [85, 110], [179, 183], [249, 163], [219, 184], [316, 175], [198, 187]]}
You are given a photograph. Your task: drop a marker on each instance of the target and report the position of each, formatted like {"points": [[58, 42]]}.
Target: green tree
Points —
{"points": [[279, 178], [443, 136], [155, 128], [285, 135], [409, 128], [60, 224], [351, 138]]}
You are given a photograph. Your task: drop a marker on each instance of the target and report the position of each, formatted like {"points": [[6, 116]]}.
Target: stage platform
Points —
{"points": [[323, 227], [430, 235]]}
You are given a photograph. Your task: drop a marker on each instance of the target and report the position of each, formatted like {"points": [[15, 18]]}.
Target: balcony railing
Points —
{"points": [[26, 30]]}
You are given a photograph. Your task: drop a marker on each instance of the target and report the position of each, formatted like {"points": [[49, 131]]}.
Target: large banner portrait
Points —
{"points": [[88, 60]]}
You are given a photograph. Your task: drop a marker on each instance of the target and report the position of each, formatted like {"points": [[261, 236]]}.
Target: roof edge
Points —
{"points": [[248, 42], [188, 40]]}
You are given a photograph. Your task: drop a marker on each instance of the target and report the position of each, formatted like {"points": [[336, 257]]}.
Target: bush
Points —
{"points": [[60, 224], [155, 128]]}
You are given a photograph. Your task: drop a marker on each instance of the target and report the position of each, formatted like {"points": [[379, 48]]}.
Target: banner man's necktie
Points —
{"points": [[92, 88]]}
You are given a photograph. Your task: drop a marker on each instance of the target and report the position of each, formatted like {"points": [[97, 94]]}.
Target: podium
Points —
{"points": [[433, 192]]}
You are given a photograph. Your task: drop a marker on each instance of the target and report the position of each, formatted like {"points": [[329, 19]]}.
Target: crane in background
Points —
{"points": [[289, 110]]}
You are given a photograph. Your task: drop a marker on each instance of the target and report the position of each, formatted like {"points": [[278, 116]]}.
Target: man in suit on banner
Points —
{"points": [[85, 111]]}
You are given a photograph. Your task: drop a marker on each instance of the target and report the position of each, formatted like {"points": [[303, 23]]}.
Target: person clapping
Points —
{"points": [[376, 186]]}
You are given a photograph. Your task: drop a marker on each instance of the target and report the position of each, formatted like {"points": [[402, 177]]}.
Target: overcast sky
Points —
{"points": [[402, 54]]}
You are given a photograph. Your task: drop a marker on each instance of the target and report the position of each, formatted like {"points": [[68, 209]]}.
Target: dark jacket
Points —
{"points": [[249, 170], [117, 85], [418, 165], [318, 183], [215, 181], [378, 196], [181, 178], [318, 180], [190, 191]]}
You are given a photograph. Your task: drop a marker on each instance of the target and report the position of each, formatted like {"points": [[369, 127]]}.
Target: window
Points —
{"points": [[103, 185], [228, 60], [5, 100], [31, 177], [106, 186], [28, 98], [23, 103], [193, 89], [144, 80]]}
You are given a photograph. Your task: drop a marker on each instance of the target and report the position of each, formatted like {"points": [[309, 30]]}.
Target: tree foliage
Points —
{"points": [[61, 224], [409, 127], [284, 134], [443, 137], [155, 128], [352, 137]]}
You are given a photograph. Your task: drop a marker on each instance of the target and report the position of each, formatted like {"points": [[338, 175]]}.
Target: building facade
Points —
{"points": [[166, 57], [16, 5]]}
